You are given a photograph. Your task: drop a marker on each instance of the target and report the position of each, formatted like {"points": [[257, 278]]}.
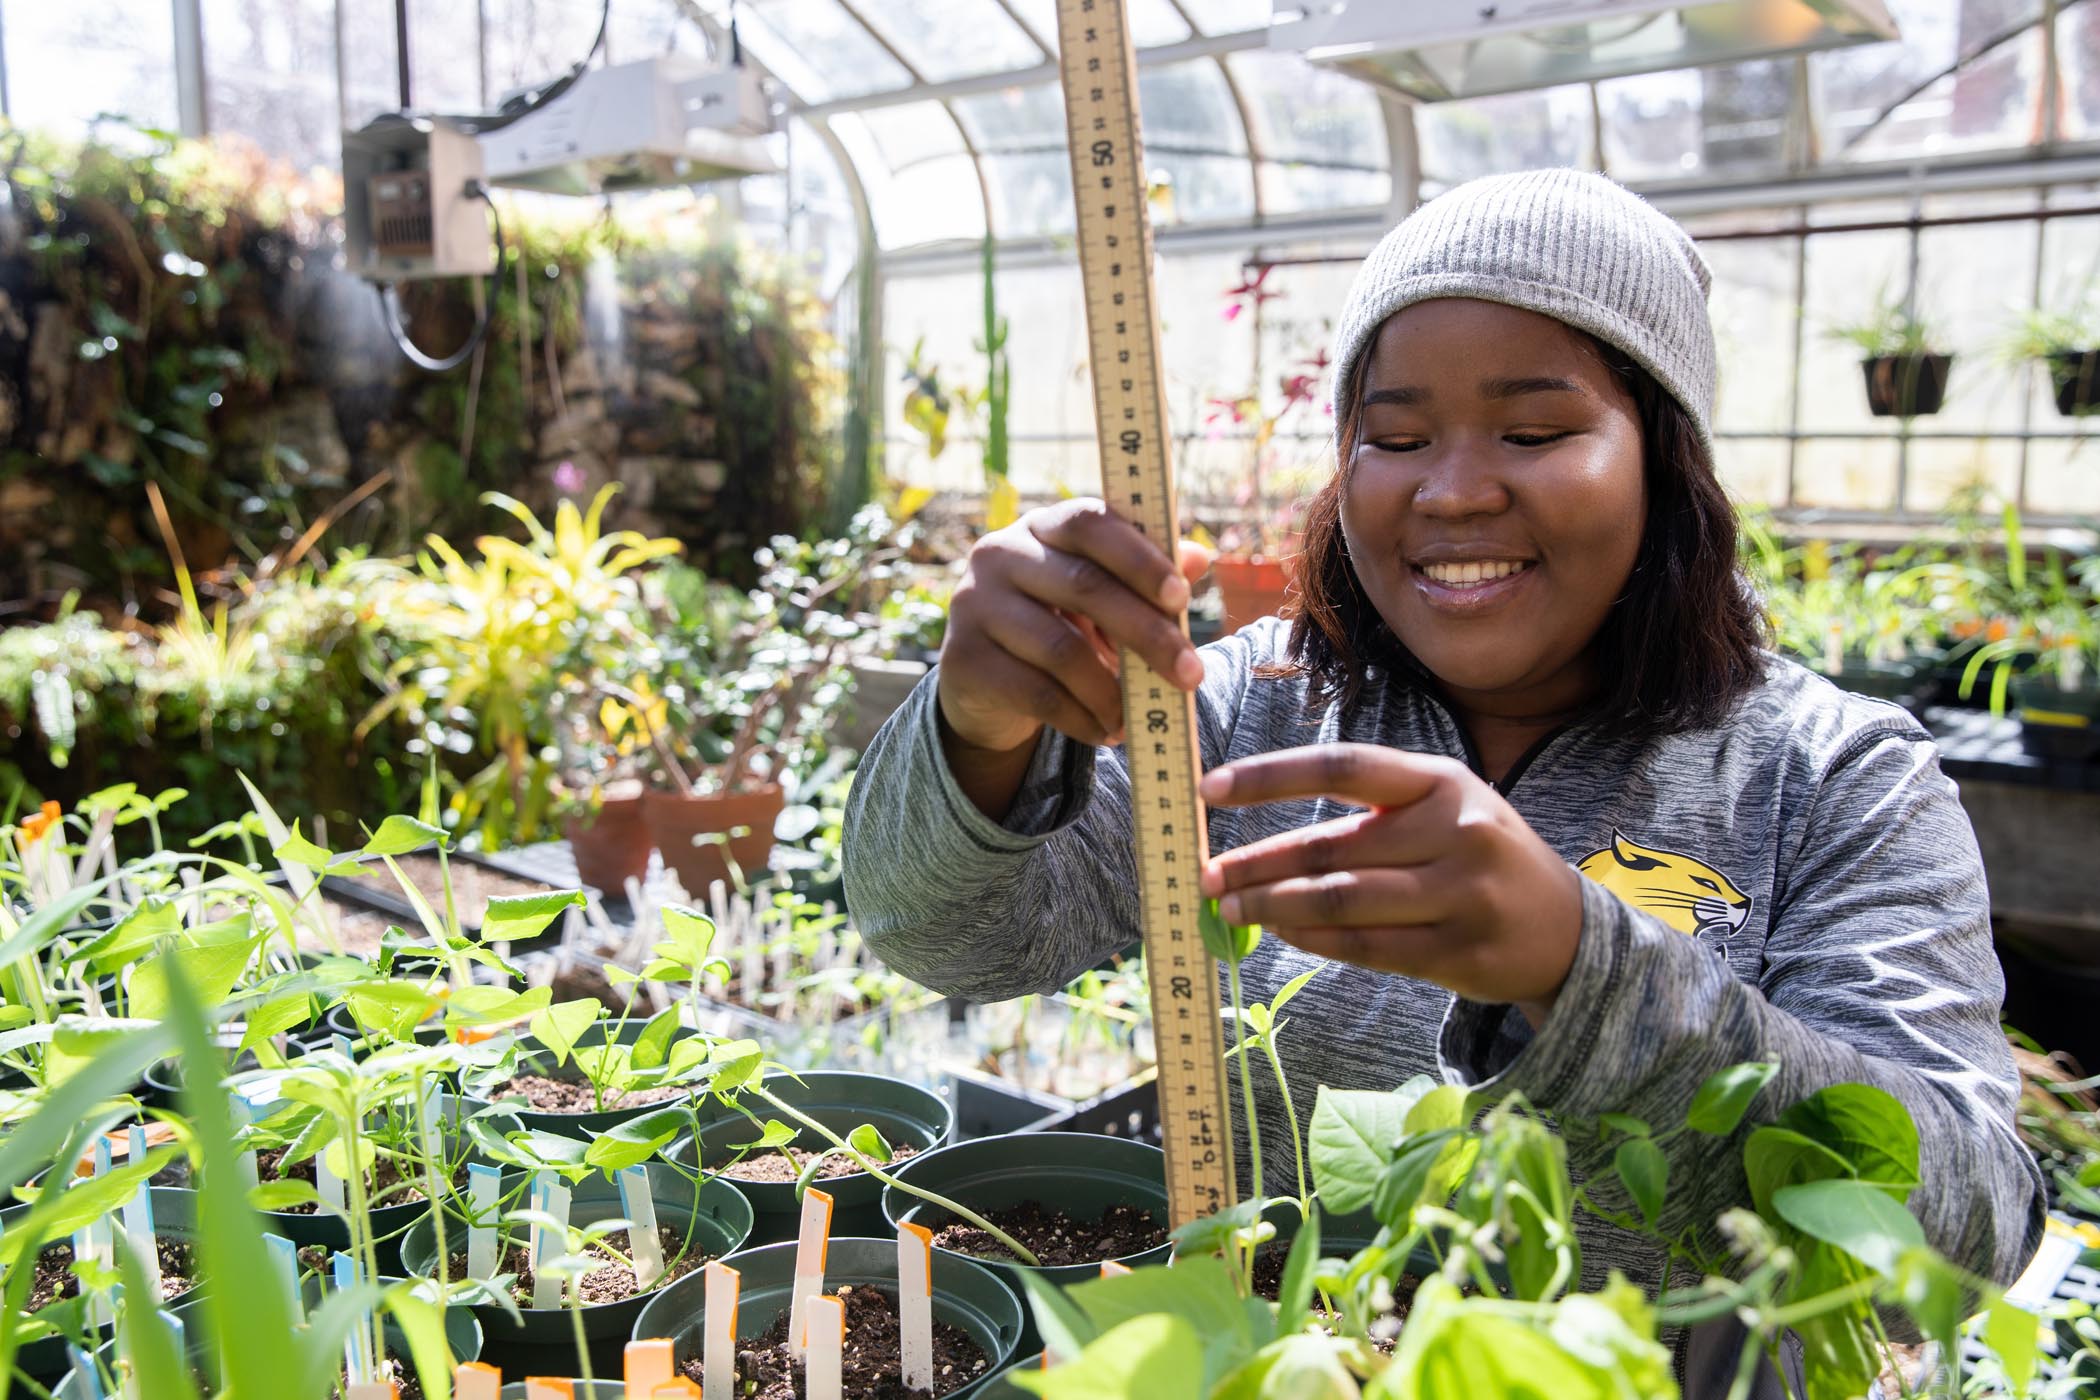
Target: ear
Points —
{"points": [[1631, 856]]}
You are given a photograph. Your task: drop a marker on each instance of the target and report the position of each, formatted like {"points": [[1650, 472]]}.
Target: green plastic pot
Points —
{"points": [[2057, 724], [461, 1332], [584, 1126], [1904, 683], [1001, 1388], [724, 1225], [600, 1389], [841, 1101], [45, 1359], [966, 1294]]}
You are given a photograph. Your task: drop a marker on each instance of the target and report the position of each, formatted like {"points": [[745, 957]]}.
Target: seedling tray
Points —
{"points": [[380, 891]]}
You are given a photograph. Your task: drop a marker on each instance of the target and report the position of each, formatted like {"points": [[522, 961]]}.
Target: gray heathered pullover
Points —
{"points": [[1812, 891]]}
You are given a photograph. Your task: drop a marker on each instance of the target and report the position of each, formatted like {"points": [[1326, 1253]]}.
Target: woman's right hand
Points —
{"points": [[1034, 626]]}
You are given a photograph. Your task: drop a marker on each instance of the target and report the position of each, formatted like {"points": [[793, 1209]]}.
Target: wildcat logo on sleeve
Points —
{"points": [[1683, 891]]}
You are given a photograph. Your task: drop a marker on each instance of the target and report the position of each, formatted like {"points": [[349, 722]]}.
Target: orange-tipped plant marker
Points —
{"points": [[915, 1305], [649, 1364], [718, 1343], [824, 1348], [810, 1248], [476, 1380]]}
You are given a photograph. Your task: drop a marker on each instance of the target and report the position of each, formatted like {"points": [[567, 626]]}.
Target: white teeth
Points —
{"points": [[1475, 572]]}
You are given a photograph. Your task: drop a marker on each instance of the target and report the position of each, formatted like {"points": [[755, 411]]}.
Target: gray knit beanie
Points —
{"points": [[1564, 243]]}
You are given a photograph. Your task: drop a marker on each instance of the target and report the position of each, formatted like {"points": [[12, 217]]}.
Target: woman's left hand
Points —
{"points": [[1440, 879]]}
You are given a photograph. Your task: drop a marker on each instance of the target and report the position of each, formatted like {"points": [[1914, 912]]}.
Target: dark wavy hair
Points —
{"points": [[1679, 647]]}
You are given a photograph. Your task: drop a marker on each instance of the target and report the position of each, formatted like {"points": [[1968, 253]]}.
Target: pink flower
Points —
{"points": [[568, 478], [1232, 310]]}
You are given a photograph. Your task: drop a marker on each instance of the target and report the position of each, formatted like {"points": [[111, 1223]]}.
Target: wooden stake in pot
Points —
{"points": [[550, 1199], [648, 1365], [484, 1189], [640, 1210], [810, 1249], [718, 1346], [824, 1348], [476, 1380], [915, 1304]]}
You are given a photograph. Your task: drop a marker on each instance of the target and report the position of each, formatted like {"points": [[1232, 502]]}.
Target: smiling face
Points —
{"points": [[1494, 500]]}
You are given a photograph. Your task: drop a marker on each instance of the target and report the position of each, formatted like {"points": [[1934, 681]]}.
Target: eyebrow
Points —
{"points": [[1410, 396]]}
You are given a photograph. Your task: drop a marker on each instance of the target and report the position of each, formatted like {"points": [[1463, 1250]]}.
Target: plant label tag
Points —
{"points": [[1111, 1269], [138, 1236], [428, 1119], [484, 1188], [94, 1243], [677, 1388], [375, 1390], [476, 1380], [284, 1257], [326, 1182], [91, 1379], [915, 1304], [549, 1388], [554, 1201], [648, 1365], [357, 1367], [170, 1324], [718, 1342], [640, 1209], [2059, 1250], [824, 1348], [810, 1246]]}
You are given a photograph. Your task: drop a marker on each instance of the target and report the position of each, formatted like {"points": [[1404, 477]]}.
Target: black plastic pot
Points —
{"points": [[2058, 724], [966, 1294], [723, 1226], [584, 1126], [1000, 1388], [382, 892], [1904, 683], [1906, 386], [45, 1359], [2076, 377], [902, 1113], [462, 1333]]}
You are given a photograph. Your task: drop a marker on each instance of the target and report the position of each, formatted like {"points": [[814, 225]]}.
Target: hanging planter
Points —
{"points": [[907, 1117], [1906, 386], [2076, 376], [719, 1216], [966, 1295]]}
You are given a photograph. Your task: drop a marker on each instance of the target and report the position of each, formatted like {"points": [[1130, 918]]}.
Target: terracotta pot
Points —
{"points": [[674, 821], [1251, 587], [611, 845]]}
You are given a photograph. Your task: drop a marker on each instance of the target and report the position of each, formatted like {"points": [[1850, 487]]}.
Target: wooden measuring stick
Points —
{"points": [[823, 1348], [1097, 67], [647, 1365], [915, 1304], [476, 1380], [640, 1209], [484, 1189], [718, 1343], [811, 1246]]}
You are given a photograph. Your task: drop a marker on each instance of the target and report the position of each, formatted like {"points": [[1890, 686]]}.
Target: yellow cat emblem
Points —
{"points": [[1686, 893]]}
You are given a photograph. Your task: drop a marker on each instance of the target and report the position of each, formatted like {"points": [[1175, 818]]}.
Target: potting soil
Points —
{"points": [[547, 1095], [607, 1284], [788, 1162], [1054, 1237], [472, 885], [55, 1278], [389, 1187], [767, 1370]]}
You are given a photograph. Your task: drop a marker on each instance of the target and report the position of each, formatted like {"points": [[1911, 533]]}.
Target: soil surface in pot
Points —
{"points": [[788, 1162], [1054, 1237], [360, 929], [547, 1095], [609, 1283], [473, 885], [1268, 1283], [389, 1187], [54, 1277], [767, 1370]]}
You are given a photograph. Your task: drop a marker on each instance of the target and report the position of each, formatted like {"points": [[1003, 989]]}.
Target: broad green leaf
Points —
{"points": [[637, 1140], [1933, 1292], [1227, 942], [212, 969], [1199, 1292], [1295, 1367], [550, 1149], [395, 1008], [514, 918], [295, 849], [738, 1061], [49, 921], [1442, 1107], [275, 1017], [2012, 1332], [1775, 1158], [142, 929], [775, 1134], [13, 1018], [1454, 1346], [652, 1047], [480, 1005], [1291, 989], [1865, 1126], [558, 1026], [423, 1323], [85, 1200], [868, 1143], [1646, 1172], [1157, 1357], [283, 1195], [1065, 1330], [121, 1057], [1723, 1099], [1625, 1123], [398, 835], [691, 932], [1856, 1216], [1351, 1143], [1294, 1296], [336, 1156], [1417, 1175]]}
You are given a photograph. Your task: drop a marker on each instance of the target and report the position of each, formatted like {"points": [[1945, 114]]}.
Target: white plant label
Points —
{"points": [[1111, 1269], [173, 1326], [550, 1198], [375, 1390], [484, 1188], [357, 1367], [326, 1182], [810, 1247], [640, 1209], [548, 1388], [915, 1304], [477, 1380], [138, 1237], [648, 1365], [428, 1117], [284, 1255], [718, 1344], [824, 1348], [84, 1368]]}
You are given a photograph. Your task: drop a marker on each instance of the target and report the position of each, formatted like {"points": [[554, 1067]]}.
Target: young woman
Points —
{"points": [[1518, 776]]}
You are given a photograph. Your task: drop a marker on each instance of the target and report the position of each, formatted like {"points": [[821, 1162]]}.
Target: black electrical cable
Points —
{"points": [[390, 304], [525, 104]]}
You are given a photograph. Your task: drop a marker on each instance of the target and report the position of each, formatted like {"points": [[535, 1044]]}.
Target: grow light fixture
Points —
{"points": [[1437, 50]]}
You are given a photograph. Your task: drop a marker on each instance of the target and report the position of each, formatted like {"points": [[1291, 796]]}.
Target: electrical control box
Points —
{"points": [[409, 207]]}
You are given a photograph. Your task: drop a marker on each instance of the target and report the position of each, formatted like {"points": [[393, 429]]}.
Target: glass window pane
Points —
{"points": [[1941, 473], [1321, 135], [1018, 120], [269, 70], [1752, 306], [934, 200], [1031, 194], [1753, 470], [70, 63], [527, 41], [1152, 22], [1726, 120], [1847, 272], [2063, 476], [1846, 474], [1194, 145], [943, 39], [1516, 132], [369, 82], [818, 50], [442, 32], [1973, 314], [913, 132], [1229, 16], [2078, 51], [1988, 103]]}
